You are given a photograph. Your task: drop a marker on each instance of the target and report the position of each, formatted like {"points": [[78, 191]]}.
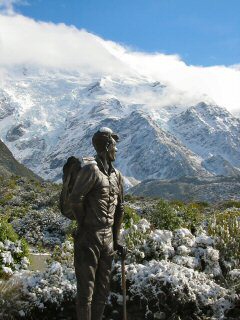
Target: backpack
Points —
{"points": [[70, 171]]}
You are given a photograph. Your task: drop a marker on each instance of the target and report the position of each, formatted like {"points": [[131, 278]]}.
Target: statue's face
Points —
{"points": [[111, 150]]}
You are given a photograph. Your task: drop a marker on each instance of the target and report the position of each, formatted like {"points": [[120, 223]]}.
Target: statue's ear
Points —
{"points": [[107, 145]]}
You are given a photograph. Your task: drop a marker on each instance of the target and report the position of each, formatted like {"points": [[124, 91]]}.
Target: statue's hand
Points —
{"points": [[121, 250]]}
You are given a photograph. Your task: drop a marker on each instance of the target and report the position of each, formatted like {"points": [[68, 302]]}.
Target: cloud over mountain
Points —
{"points": [[24, 41]]}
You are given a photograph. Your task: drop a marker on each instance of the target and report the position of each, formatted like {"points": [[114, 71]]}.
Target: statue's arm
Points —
{"points": [[85, 181], [118, 216]]}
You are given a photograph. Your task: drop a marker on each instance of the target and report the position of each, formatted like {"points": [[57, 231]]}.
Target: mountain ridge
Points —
{"points": [[44, 118]]}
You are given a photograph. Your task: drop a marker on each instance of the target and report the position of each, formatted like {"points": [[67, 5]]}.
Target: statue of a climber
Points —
{"points": [[97, 203]]}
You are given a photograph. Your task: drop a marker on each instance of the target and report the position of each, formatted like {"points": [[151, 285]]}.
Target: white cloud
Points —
{"points": [[219, 84], [29, 42], [25, 41]]}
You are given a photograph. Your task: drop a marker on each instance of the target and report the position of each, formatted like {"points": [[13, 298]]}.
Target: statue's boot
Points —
{"points": [[84, 312], [97, 311]]}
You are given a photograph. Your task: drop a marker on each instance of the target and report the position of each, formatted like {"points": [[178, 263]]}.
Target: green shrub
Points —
{"points": [[225, 227], [164, 216], [176, 214], [71, 230], [6, 231], [12, 182], [231, 204], [5, 198], [130, 217], [192, 215], [129, 198]]}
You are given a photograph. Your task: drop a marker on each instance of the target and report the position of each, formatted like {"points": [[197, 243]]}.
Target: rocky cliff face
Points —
{"points": [[46, 117]]}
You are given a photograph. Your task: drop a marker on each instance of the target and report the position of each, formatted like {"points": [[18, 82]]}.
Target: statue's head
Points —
{"points": [[104, 142]]}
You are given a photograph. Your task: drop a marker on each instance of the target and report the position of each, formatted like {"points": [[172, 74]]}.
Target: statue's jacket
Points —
{"points": [[99, 197]]}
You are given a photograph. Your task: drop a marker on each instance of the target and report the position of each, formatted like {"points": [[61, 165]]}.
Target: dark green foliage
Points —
{"points": [[130, 217], [164, 216], [132, 198], [6, 231], [231, 204], [192, 215], [175, 214]]}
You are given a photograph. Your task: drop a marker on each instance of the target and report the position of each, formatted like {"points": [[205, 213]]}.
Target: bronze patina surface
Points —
{"points": [[97, 202]]}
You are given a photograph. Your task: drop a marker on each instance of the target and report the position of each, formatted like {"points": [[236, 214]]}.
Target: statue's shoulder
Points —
{"points": [[88, 161], [89, 164]]}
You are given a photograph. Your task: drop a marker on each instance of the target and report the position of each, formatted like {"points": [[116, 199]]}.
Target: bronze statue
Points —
{"points": [[97, 203]]}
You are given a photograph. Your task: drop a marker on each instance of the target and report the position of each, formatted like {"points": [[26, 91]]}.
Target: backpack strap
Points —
{"points": [[120, 186]]}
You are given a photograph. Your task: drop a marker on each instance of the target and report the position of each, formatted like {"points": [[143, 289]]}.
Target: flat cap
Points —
{"points": [[102, 138]]}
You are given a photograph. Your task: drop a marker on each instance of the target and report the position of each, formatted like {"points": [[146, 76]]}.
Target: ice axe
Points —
{"points": [[123, 256]]}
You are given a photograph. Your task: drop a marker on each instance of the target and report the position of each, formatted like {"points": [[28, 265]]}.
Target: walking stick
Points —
{"points": [[124, 288]]}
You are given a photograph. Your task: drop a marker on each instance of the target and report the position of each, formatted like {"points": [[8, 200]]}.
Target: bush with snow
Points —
{"points": [[172, 266], [13, 251], [167, 287], [44, 227], [43, 292]]}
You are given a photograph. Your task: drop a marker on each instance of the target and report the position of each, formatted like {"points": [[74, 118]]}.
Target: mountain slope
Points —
{"points": [[211, 189], [10, 166]]}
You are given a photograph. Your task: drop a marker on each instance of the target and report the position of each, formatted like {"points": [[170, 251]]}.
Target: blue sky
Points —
{"points": [[202, 32]]}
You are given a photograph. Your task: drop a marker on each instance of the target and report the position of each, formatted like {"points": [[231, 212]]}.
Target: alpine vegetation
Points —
{"points": [[183, 260]]}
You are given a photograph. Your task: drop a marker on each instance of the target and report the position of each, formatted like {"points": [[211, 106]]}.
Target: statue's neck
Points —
{"points": [[106, 163]]}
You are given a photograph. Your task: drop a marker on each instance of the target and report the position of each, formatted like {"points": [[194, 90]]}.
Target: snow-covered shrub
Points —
{"points": [[197, 253], [11, 298], [135, 239], [45, 293], [232, 281], [43, 227], [41, 293], [162, 286], [158, 245], [13, 252], [55, 286], [13, 256], [64, 254], [225, 228], [19, 196], [180, 247]]}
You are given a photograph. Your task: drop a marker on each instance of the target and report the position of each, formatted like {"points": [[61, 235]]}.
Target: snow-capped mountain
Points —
{"points": [[46, 116], [212, 133]]}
